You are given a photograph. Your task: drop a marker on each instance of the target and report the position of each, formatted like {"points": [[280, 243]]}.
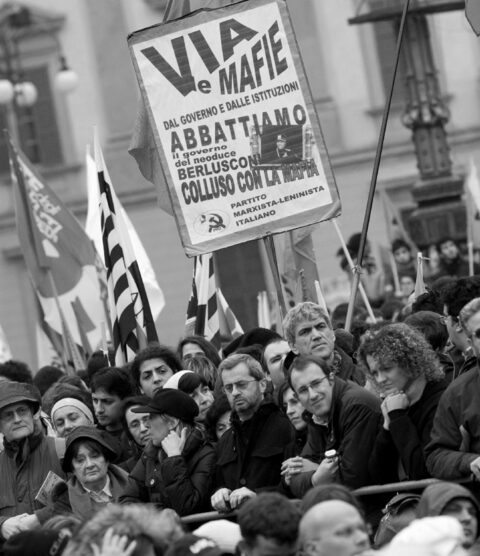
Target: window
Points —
{"points": [[36, 126], [386, 39]]}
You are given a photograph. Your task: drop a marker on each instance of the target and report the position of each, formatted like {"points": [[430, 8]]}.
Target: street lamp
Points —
{"points": [[15, 21], [440, 210]]}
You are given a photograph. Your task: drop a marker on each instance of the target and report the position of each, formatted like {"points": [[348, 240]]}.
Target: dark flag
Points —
{"points": [[132, 322]]}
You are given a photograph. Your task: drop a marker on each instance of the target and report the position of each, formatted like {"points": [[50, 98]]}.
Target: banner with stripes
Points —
{"points": [[132, 323], [202, 311], [93, 229]]}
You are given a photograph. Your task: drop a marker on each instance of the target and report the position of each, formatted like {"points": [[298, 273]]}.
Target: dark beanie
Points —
{"points": [[37, 542]]}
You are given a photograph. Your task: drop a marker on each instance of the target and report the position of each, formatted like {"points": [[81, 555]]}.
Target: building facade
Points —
{"points": [[348, 67]]}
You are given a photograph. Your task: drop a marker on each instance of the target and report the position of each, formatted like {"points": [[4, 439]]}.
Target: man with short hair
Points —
{"points": [[26, 460], [110, 386], [455, 296], [452, 263], [454, 450], [344, 417], [308, 331], [333, 527], [152, 367], [269, 525], [250, 453], [274, 354]]}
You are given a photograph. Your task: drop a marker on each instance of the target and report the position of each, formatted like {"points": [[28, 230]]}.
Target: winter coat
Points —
{"points": [[406, 439], [75, 499], [455, 437], [180, 482], [250, 453], [354, 422], [24, 466]]}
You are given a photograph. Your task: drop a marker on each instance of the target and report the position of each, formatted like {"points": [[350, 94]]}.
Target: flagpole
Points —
{"points": [[469, 237], [346, 252], [272, 259], [64, 323], [391, 258], [376, 167]]}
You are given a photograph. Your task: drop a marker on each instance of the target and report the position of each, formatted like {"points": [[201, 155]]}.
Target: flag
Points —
{"points": [[472, 13], [472, 205], [394, 224], [472, 188], [93, 229], [50, 348], [233, 327], [5, 353], [419, 282], [59, 256], [320, 297], [133, 325], [142, 144], [202, 311], [263, 310], [299, 267]]}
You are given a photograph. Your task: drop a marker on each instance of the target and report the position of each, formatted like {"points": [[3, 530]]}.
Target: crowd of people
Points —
{"points": [[279, 429]]}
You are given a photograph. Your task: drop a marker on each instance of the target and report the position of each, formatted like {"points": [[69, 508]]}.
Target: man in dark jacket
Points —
{"points": [[308, 331], [178, 464], [26, 460], [250, 453], [345, 418], [454, 451]]}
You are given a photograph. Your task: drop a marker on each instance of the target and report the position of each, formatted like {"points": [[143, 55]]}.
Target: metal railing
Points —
{"points": [[393, 488]]}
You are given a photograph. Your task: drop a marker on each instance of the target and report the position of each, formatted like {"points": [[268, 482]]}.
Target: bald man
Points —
{"points": [[334, 527]]}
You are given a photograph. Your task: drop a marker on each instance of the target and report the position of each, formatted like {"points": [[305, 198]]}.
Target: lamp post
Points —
{"points": [[437, 192], [15, 92]]}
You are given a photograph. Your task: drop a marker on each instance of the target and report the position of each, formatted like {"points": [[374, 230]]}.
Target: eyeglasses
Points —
{"points": [[315, 385], [240, 385]]}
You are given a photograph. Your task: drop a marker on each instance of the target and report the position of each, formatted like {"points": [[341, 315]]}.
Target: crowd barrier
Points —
{"points": [[391, 488]]}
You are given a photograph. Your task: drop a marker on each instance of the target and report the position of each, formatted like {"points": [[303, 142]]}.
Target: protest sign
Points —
{"points": [[234, 123]]}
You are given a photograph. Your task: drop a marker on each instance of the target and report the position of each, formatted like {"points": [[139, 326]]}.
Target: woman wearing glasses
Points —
{"points": [[179, 463], [406, 372]]}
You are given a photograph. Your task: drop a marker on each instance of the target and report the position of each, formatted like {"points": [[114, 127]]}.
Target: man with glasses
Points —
{"points": [[454, 451], [28, 458], [250, 453], [344, 417]]}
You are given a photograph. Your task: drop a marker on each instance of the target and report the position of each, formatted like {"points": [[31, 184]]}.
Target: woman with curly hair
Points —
{"points": [[405, 371]]}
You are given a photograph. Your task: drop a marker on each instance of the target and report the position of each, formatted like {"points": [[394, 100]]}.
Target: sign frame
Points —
{"points": [[313, 167]]}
